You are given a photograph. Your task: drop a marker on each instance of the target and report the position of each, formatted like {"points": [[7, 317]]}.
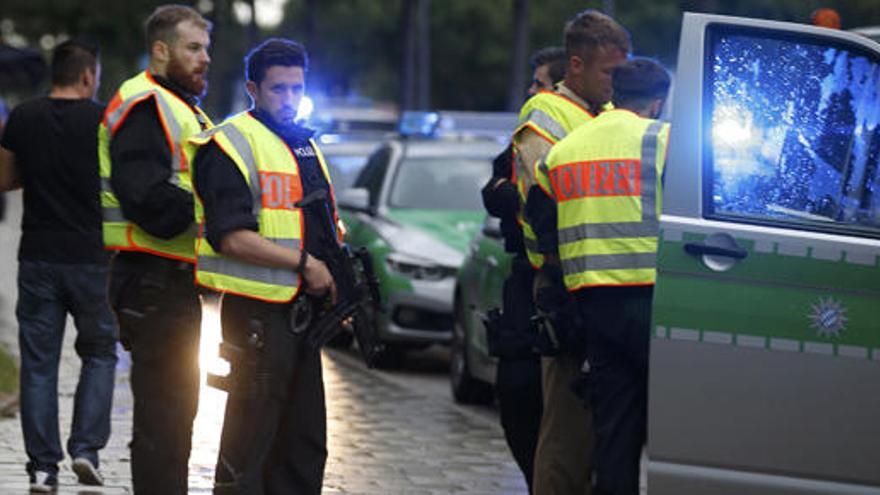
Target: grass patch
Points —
{"points": [[8, 372]]}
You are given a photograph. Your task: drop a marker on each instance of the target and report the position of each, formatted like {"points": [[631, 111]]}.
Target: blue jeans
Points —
{"points": [[47, 292]]}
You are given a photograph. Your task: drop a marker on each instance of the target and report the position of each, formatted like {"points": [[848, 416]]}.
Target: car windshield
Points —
{"points": [[344, 169], [795, 132], [440, 183]]}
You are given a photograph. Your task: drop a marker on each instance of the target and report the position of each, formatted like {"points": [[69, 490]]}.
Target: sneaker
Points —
{"points": [[43, 482], [86, 472]]}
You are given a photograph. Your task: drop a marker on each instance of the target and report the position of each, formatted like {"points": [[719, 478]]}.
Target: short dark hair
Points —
{"points": [[70, 59], [162, 23], [554, 58], [590, 30], [274, 51], [639, 81]]}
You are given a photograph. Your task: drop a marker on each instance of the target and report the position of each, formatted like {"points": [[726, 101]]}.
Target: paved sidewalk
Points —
{"points": [[383, 437]]}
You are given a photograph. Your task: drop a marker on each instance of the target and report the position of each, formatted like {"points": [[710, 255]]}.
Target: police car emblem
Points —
{"points": [[828, 318]]}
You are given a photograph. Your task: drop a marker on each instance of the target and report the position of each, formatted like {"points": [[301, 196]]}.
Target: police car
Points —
{"points": [[415, 205], [872, 32], [765, 358], [478, 289]]}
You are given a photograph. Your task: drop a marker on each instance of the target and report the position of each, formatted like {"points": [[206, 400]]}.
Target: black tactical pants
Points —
{"points": [[618, 337], [518, 379], [274, 433], [159, 314]]}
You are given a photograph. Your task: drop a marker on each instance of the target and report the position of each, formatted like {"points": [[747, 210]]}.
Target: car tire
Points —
{"points": [[466, 389], [341, 341], [391, 357]]}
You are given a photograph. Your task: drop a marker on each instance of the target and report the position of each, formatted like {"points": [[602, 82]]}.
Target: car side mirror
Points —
{"points": [[356, 199], [492, 228]]}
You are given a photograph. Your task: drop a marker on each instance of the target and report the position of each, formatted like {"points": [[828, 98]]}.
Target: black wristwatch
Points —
{"points": [[301, 266]]}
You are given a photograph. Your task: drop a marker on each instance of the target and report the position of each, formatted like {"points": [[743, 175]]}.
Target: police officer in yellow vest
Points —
{"points": [[147, 204], [594, 45], [512, 341], [261, 245], [603, 186]]}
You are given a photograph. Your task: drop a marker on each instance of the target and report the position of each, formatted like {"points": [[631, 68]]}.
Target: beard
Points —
{"points": [[193, 80]]}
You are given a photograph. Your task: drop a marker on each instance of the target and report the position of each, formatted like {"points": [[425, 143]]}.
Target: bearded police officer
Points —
{"points": [[147, 205], [262, 247], [602, 185]]}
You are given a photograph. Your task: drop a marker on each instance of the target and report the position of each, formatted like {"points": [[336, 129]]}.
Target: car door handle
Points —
{"points": [[698, 249]]}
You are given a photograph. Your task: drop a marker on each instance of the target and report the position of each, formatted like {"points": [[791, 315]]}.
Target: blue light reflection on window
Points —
{"points": [[795, 132]]}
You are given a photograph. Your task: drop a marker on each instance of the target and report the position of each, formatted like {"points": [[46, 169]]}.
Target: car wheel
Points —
{"points": [[341, 341], [391, 357], [465, 388]]}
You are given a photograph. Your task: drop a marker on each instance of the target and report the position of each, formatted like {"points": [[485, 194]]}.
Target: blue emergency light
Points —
{"points": [[418, 124]]}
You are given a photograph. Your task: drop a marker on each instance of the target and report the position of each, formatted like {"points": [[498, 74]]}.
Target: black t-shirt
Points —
{"points": [[228, 203], [55, 143]]}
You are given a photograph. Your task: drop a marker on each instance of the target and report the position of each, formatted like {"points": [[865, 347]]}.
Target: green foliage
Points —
{"points": [[471, 54], [8, 373], [356, 45], [116, 25]]}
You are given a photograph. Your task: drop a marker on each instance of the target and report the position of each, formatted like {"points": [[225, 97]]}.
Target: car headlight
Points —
{"points": [[418, 268]]}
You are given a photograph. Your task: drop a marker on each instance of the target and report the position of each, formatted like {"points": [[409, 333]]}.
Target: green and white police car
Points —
{"points": [[479, 288], [415, 205], [765, 358]]}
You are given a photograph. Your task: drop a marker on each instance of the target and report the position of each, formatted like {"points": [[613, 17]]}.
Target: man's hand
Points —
{"points": [[251, 247], [9, 179], [318, 279]]}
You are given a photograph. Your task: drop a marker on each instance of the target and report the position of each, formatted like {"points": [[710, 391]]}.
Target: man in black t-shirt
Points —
{"points": [[49, 149]]}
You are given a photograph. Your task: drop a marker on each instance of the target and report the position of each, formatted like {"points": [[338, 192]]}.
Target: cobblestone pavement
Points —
{"points": [[384, 436]]}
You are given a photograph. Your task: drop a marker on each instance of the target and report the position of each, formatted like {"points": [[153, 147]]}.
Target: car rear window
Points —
{"points": [[441, 183], [794, 132]]}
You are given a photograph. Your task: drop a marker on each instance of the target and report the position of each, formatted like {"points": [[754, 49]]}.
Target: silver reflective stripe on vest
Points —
{"points": [[225, 265], [110, 214], [647, 227], [649, 174], [621, 261], [243, 148], [546, 123], [531, 244], [177, 159], [105, 185], [114, 117], [167, 115]]}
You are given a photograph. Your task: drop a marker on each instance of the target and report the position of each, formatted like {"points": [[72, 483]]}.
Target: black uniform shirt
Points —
{"points": [[55, 143], [503, 202], [142, 169], [228, 202], [540, 211]]}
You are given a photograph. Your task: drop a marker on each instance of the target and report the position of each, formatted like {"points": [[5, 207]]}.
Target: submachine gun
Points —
{"points": [[357, 294], [319, 321]]}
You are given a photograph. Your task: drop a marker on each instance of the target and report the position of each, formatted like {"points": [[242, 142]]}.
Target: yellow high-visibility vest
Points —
{"points": [[273, 176], [552, 116], [606, 180], [179, 123]]}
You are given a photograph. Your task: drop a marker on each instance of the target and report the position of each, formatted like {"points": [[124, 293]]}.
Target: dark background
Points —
{"points": [[449, 54]]}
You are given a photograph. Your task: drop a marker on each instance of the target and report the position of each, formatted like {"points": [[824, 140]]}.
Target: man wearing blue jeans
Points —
{"points": [[49, 149]]}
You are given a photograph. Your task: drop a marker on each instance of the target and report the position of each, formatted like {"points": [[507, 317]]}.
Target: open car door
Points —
{"points": [[765, 358]]}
